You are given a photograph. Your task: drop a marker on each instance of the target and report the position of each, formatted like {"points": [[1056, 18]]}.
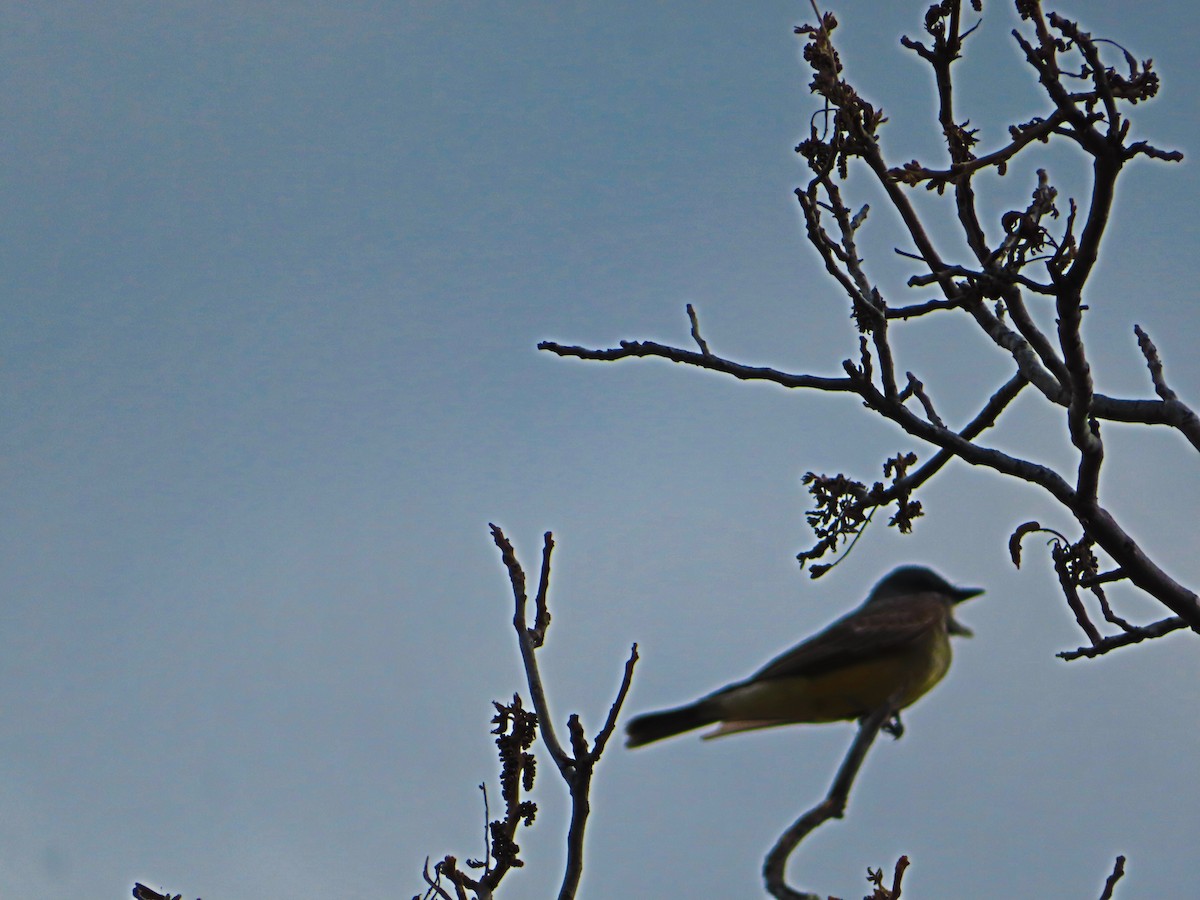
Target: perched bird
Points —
{"points": [[896, 645]]}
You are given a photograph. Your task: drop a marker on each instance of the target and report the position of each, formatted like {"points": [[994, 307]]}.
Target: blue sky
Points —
{"points": [[272, 280]]}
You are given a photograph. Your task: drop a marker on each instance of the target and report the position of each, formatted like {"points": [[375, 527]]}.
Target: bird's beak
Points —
{"points": [[953, 626], [960, 594]]}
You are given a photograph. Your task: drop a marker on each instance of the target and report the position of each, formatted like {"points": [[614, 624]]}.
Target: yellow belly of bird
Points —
{"points": [[846, 693]]}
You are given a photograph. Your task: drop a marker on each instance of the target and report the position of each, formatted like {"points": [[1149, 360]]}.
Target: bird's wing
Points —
{"points": [[871, 631]]}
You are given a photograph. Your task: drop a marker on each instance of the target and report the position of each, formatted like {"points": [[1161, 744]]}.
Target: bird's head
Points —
{"points": [[910, 580]]}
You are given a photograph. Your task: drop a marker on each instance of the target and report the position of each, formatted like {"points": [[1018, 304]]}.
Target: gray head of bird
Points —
{"points": [[908, 580]]}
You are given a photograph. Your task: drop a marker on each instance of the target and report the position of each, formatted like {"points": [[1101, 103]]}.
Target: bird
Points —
{"points": [[893, 648]]}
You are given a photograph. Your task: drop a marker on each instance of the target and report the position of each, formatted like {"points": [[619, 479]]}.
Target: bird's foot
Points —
{"points": [[894, 727]]}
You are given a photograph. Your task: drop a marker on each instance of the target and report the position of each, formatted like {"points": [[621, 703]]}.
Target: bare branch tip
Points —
{"points": [[1111, 882], [695, 322]]}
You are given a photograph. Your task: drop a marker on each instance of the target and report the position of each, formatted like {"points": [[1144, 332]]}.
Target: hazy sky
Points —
{"points": [[272, 279]]}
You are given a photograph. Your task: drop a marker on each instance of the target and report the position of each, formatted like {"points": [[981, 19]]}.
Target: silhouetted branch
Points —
{"points": [[1087, 97], [1111, 881], [577, 767], [1037, 130], [876, 878], [141, 892], [691, 311], [652, 349], [516, 730], [1133, 636], [1180, 416], [832, 807]]}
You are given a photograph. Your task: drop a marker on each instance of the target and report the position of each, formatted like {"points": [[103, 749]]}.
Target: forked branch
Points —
{"points": [[1036, 256], [517, 729]]}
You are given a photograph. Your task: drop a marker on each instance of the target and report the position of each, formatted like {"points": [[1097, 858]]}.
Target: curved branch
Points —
{"points": [[832, 807]]}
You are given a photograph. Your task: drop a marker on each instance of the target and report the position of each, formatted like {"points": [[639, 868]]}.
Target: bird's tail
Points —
{"points": [[658, 725]]}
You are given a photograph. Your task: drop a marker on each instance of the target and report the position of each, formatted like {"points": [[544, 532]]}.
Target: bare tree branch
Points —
{"points": [[1003, 287], [1111, 882], [529, 640], [832, 807], [577, 767], [516, 729], [1087, 99], [1154, 364], [691, 311], [649, 349], [1134, 636]]}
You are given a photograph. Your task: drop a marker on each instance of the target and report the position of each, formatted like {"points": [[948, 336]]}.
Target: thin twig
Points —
{"points": [[1125, 638], [580, 782], [1154, 364], [691, 311], [541, 620], [918, 391], [525, 642], [1107, 610], [487, 825], [575, 768]]}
